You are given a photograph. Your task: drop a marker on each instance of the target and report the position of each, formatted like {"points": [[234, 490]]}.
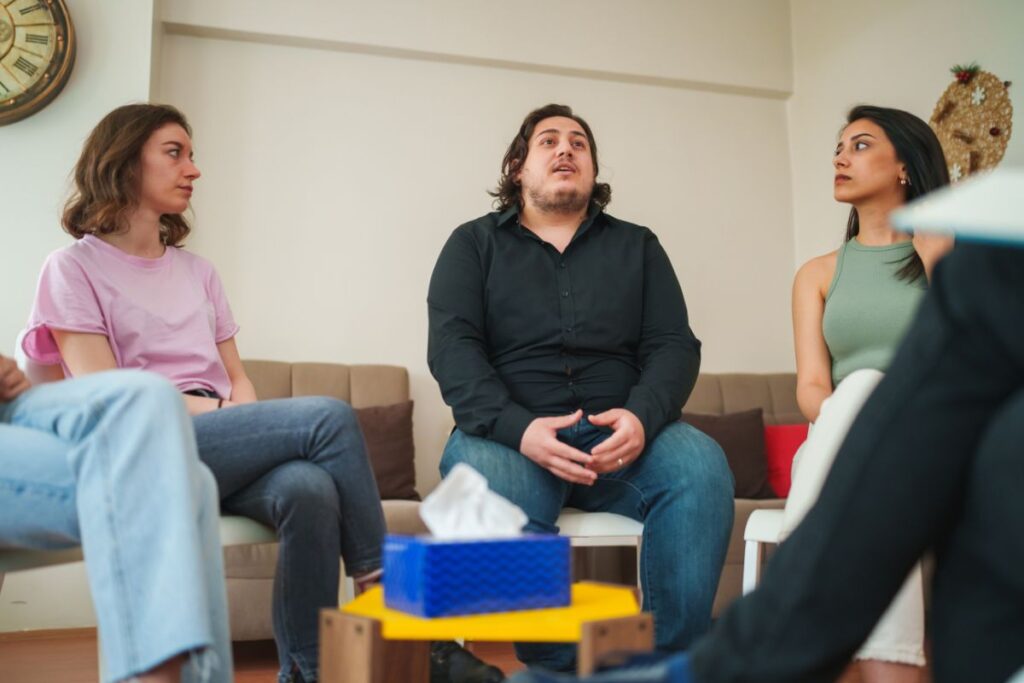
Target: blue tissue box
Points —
{"points": [[436, 578]]}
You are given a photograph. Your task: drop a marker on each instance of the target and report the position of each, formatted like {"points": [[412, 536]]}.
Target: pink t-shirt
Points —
{"points": [[166, 315]]}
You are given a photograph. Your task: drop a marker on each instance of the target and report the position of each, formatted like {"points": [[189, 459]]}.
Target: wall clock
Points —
{"points": [[37, 51], [973, 120]]}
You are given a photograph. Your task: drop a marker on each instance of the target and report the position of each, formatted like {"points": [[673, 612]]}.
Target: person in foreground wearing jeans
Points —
{"points": [[109, 462], [559, 336], [932, 462]]}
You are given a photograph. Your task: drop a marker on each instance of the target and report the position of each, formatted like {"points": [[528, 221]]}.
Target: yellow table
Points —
{"points": [[365, 642]]}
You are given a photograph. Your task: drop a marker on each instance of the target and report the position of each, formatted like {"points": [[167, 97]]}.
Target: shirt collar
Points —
{"points": [[593, 211]]}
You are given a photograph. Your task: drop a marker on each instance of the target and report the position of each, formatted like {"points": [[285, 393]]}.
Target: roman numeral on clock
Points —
{"points": [[4, 88], [26, 66], [37, 38], [31, 8]]}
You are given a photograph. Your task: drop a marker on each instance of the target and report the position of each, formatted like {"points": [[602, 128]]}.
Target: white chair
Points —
{"points": [[233, 531], [763, 527], [600, 530]]}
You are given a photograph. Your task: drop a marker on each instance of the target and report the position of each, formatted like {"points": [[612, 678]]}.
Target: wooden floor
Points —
{"points": [[70, 657]]}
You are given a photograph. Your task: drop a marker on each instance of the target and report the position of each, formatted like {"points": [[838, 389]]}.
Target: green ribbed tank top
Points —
{"points": [[868, 308]]}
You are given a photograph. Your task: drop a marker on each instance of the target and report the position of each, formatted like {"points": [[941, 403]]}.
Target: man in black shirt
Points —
{"points": [[559, 337]]}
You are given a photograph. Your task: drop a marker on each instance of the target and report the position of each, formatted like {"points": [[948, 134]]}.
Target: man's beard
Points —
{"points": [[560, 201]]}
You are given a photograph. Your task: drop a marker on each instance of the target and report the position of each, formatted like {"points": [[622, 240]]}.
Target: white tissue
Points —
{"points": [[462, 507]]}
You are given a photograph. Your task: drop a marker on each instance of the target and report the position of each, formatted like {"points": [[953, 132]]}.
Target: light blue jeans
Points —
{"points": [[680, 487], [299, 465], [109, 461]]}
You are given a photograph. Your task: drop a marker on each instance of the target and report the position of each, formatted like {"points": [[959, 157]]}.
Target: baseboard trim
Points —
{"points": [[47, 634]]}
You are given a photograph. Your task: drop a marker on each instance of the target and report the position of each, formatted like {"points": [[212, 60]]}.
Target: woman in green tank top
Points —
{"points": [[884, 158], [850, 309]]}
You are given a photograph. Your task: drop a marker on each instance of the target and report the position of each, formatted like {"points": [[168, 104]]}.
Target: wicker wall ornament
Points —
{"points": [[973, 120]]}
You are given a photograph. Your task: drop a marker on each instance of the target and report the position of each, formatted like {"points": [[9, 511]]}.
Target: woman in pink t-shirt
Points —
{"points": [[126, 294]]}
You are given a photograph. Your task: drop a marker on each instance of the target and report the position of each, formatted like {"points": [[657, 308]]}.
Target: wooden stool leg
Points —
{"points": [[600, 638], [406, 660], [353, 651], [350, 648]]}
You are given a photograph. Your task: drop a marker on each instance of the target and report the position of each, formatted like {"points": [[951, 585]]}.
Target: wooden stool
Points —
{"points": [[365, 642]]}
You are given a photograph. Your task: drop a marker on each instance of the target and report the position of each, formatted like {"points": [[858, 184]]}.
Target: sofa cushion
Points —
{"points": [[780, 445], [272, 379], [388, 434], [718, 394], [741, 436], [403, 517]]}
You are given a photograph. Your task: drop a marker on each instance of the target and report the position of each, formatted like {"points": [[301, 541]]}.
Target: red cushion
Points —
{"points": [[780, 445]]}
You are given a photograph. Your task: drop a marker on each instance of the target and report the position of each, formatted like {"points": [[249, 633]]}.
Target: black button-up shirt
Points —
{"points": [[518, 330]]}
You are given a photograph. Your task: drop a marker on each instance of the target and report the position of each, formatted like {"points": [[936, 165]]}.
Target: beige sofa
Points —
{"points": [[249, 569]]}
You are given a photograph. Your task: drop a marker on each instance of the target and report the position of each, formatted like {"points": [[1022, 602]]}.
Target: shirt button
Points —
{"points": [[561, 264], [568, 330], [565, 293]]}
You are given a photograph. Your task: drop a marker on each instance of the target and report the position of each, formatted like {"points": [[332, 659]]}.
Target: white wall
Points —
{"points": [[894, 54], [332, 177], [741, 43], [112, 68]]}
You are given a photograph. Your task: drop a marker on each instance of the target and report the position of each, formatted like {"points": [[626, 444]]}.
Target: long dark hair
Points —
{"points": [[107, 173], [919, 150], [508, 193]]}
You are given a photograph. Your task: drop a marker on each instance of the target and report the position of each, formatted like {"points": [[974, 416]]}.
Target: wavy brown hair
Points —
{"points": [[509, 192], [107, 178]]}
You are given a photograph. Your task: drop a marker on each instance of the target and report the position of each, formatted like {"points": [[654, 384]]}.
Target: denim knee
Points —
{"points": [[135, 384], [331, 411], [304, 492], [701, 468]]}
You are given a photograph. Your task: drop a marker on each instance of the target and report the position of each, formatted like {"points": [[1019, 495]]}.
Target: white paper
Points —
{"points": [[463, 507], [988, 207]]}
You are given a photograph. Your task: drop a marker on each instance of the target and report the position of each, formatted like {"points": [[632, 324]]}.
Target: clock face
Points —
{"points": [[37, 51]]}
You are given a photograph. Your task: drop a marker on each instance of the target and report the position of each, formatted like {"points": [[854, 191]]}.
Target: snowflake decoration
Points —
{"points": [[955, 173], [978, 96]]}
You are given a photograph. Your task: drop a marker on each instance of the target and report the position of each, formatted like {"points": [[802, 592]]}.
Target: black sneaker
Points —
{"points": [[452, 663]]}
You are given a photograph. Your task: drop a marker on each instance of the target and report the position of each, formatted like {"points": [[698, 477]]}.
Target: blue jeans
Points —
{"points": [[680, 488], [300, 466], [109, 462]]}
